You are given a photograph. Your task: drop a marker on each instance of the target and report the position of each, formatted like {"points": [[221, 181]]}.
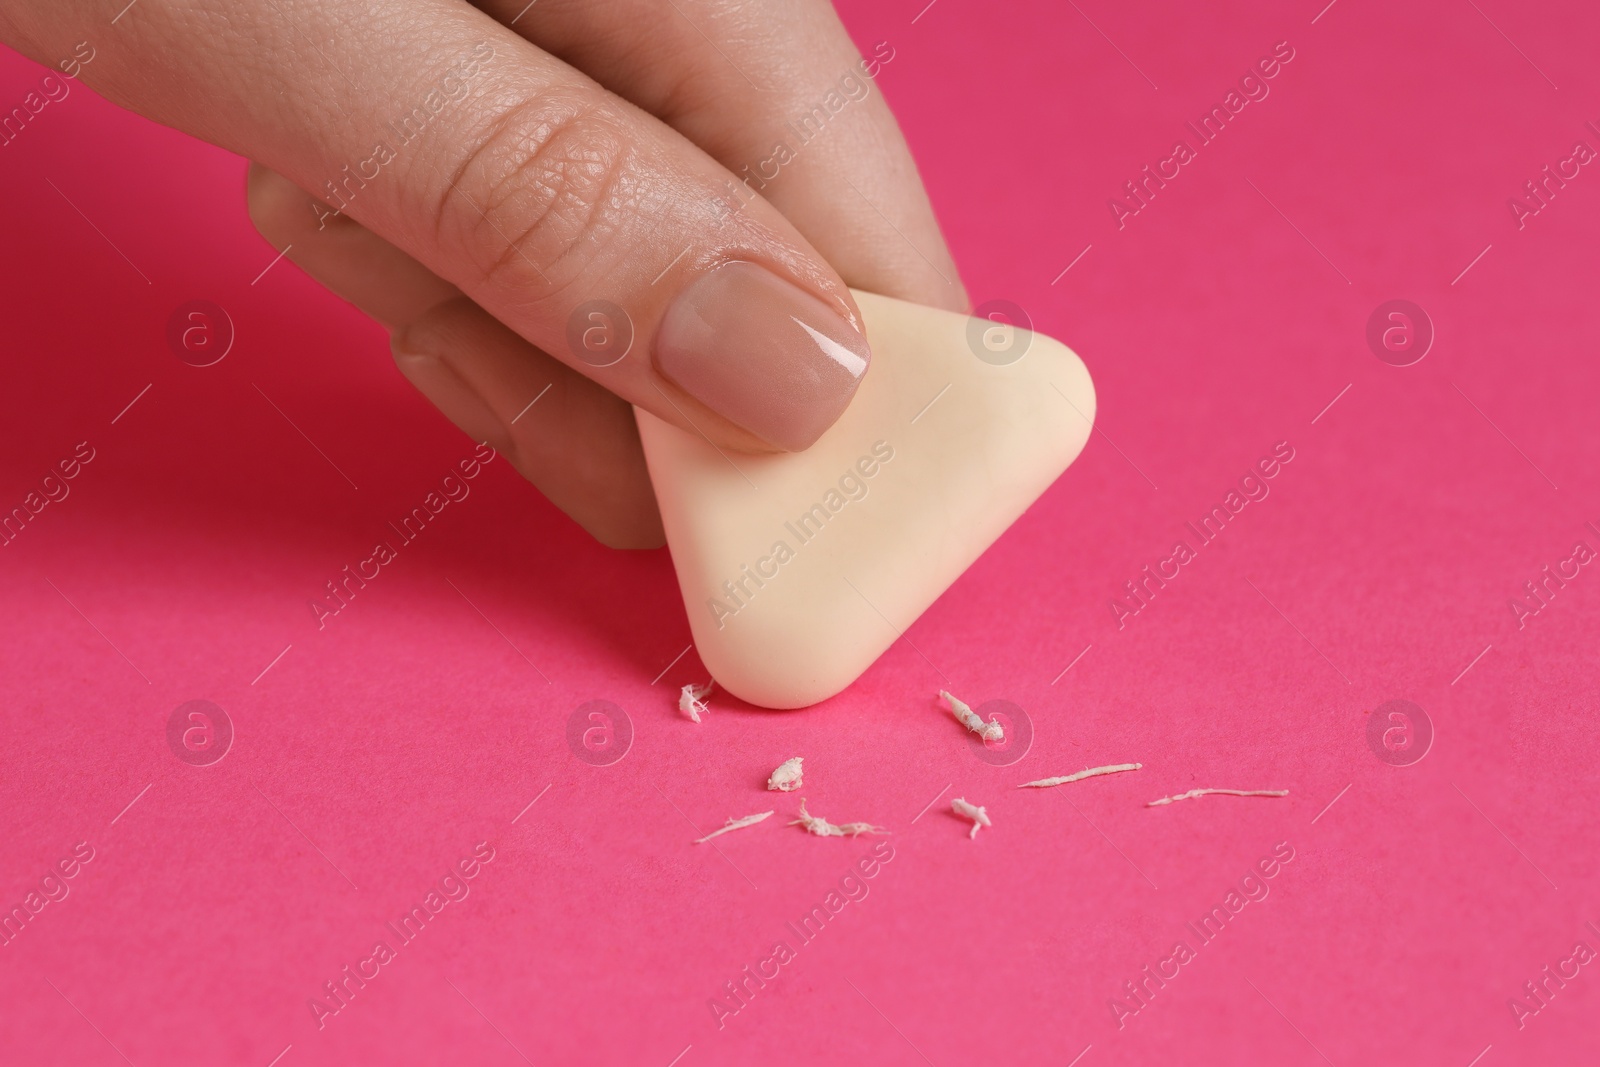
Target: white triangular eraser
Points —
{"points": [[799, 569]]}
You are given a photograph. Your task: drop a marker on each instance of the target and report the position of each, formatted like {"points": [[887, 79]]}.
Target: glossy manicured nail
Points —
{"points": [[762, 353]]}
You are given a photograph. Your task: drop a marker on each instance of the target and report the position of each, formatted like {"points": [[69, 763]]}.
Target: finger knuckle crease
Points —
{"points": [[540, 193]]}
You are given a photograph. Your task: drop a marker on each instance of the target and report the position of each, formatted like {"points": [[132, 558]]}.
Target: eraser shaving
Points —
{"points": [[1092, 772], [823, 828], [692, 700], [736, 824], [1191, 794], [975, 812], [989, 731], [787, 777]]}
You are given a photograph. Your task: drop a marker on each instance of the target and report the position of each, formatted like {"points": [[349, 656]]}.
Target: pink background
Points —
{"points": [[379, 751]]}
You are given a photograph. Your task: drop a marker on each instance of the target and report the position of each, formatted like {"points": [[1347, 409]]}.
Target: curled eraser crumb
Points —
{"points": [[989, 731], [736, 824], [823, 828], [975, 812], [1191, 794], [1092, 772], [787, 777], [692, 700]]}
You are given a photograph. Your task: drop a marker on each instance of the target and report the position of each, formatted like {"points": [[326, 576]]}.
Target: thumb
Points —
{"points": [[606, 239], [589, 227]]}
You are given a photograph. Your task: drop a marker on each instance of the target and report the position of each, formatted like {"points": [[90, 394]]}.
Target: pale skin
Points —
{"points": [[597, 152]]}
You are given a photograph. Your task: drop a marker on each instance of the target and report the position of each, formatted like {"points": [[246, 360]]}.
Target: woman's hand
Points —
{"points": [[559, 208]]}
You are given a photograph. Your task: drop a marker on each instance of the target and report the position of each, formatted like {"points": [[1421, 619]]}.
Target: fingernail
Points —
{"points": [[437, 380], [762, 353]]}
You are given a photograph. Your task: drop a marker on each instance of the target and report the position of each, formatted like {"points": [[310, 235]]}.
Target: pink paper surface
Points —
{"points": [[1222, 318]]}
